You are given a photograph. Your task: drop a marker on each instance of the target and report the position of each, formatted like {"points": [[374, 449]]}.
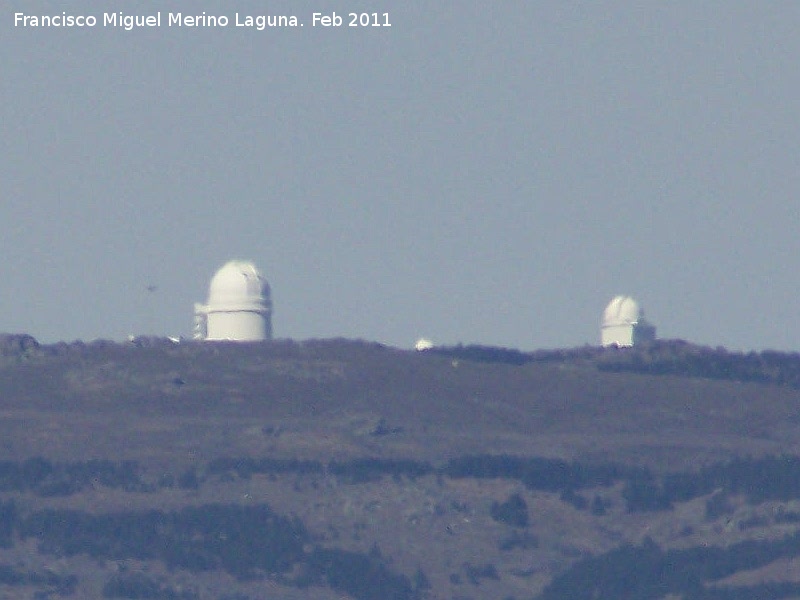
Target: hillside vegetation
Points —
{"points": [[335, 468]]}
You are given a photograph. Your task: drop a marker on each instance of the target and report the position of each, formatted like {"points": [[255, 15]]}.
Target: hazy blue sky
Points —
{"points": [[480, 172]]}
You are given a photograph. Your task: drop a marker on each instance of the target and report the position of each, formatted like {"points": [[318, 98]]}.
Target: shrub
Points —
{"points": [[513, 511]]}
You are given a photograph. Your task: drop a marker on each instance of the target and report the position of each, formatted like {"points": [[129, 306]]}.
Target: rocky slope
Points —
{"points": [[335, 468]]}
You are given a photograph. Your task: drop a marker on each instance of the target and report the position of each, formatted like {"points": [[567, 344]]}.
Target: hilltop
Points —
{"points": [[462, 472]]}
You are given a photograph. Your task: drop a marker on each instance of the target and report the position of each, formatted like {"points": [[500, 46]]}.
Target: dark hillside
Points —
{"points": [[365, 472], [365, 399], [661, 357]]}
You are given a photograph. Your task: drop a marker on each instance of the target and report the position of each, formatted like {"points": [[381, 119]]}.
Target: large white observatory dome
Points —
{"points": [[622, 310], [624, 323], [239, 305]]}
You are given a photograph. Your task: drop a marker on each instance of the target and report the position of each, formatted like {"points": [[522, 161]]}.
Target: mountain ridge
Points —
{"points": [[531, 464]]}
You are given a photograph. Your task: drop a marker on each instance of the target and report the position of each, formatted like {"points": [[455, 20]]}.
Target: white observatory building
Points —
{"points": [[239, 306], [624, 324]]}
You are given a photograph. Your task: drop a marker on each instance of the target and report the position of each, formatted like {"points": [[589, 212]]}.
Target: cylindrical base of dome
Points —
{"points": [[242, 326], [617, 335]]}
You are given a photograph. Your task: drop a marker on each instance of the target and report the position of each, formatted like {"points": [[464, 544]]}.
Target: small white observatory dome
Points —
{"points": [[624, 323], [423, 344], [239, 305]]}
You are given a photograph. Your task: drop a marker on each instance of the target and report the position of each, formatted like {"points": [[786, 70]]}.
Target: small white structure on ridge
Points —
{"points": [[239, 306], [624, 324], [423, 344]]}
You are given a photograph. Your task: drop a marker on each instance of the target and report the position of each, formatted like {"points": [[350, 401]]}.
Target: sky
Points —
{"points": [[479, 172]]}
